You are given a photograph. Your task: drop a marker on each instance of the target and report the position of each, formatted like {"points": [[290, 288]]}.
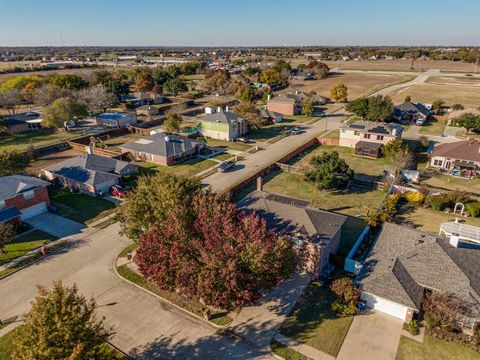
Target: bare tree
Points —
{"points": [[96, 99], [47, 94], [402, 159], [11, 100]]}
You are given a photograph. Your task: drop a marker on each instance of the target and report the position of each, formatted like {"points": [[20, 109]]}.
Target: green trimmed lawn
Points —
{"points": [[350, 202], [448, 182], [313, 323], [266, 133], [39, 138], [232, 145], [433, 348], [24, 244], [298, 119], [434, 126], [80, 207], [285, 352], [189, 167]]}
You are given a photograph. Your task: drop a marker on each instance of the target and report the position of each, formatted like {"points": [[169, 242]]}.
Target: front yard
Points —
{"points": [[80, 207], [313, 323], [39, 138], [435, 125], [24, 244], [266, 133], [189, 167], [433, 349], [228, 145]]}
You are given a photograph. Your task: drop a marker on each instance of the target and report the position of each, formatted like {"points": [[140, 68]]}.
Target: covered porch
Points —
{"points": [[368, 149]]}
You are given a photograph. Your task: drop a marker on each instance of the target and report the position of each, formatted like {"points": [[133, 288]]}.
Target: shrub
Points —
{"points": [[376, 218], [413, 197], [413, 327], [473, 208], [390, 205], [439, 202], [430, 322], [458, 196], [343, 309], [347, 297]]}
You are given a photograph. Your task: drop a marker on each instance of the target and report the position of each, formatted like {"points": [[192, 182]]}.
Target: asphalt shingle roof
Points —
{"points": [[13, 185], [464, 150], [411, 107], [163, 145], [225, 117]]}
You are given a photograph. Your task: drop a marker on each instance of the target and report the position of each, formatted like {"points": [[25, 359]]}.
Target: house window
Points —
{"points": [[29, 195], [437, 162], [356, 133], [366, 136], [379, 137]]}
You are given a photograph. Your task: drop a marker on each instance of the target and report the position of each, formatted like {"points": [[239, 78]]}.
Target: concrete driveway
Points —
{"points": [[372, 336], [55, 225]]}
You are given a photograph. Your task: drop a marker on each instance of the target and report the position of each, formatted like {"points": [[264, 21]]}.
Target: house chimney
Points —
{"points": [[259, 183], [454, 239]]}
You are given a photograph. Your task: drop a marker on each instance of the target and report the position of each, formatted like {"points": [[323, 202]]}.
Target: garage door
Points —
{"points": [[384, 305], [34, 210]]}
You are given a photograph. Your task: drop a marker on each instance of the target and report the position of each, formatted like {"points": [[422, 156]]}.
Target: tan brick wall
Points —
{"points": [[281, 108], [20, 202]]}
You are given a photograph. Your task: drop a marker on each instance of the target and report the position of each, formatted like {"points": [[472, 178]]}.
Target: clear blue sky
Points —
{"points": [[239, 22]]}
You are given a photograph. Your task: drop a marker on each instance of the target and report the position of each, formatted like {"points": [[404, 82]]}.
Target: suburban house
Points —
{"points": [[162, 148], [315, 233], [116, 120], [461, 158], [368, 137], [90, 173], [147, 110], [405, 263], [141, 98], [291, 104], [411, 112], [21, 122], [271, 117], [222, 125], [22, 197]]}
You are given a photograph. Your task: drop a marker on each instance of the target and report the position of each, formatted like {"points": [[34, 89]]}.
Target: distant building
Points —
{"points": [[147, 110], [270, 116], [222, 125], [21, 122], [162, 148], [116, 120], [367, 137]]}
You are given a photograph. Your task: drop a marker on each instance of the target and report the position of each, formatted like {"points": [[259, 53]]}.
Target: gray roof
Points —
{"points": [[296, 97], [89, 169], [13, 185], [404, 261], [411, 107], [288, 215], [163, 145], [24, 116], [373, 127], [225, 117]]}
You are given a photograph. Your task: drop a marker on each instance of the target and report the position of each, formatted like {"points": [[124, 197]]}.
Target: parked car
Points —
{"points": [[296, 131], [243, 140], [117, 190], [225, 166]]}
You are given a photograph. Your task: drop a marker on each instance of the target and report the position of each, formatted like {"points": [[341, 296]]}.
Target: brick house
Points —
{"points": [[21, 122], [22, 197], [460, 158], [163, 149], [315, 233], [291, 104]]}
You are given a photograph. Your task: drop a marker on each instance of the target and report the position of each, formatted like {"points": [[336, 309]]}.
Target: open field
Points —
{"points": [[433, 349], [40, 163], [313, 323], [5, 65], [358, 84], [468, 96], [24, 244], [39, 138], [449, 80]]}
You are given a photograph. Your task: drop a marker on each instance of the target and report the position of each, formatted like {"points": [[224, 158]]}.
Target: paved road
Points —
{"points": [[145, 327]]}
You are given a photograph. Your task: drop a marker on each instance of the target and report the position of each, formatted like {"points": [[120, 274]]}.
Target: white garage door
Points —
{"points": [[384, 305], [34, 210]]}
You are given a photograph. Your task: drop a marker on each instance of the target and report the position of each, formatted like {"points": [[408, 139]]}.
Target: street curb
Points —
{"points": [[169, 302]]}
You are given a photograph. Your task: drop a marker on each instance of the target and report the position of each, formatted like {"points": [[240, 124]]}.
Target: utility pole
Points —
{"points": [[476, 66]]}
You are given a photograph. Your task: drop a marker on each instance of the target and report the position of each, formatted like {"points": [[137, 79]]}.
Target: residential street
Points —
{"points": [[144, 327]]}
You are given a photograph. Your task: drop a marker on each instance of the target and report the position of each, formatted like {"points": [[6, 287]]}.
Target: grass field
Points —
{"points": [[267, 133], [80, 207], [435, 125], [24, 244], [433, 349], [468, 96], [190, 167], [358, 84], [313, 323], [39, 138], [448, 182], [464, 80]]}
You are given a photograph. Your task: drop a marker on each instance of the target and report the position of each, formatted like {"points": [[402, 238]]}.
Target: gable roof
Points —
{"points": [[89, 169], [13, 185], [163, 144], [373, 127], [288, 215], [293, 98], [412, 107], [226, 117], [464, 150], [404, 261]]}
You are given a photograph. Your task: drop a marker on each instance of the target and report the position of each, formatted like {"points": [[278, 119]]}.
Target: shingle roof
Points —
{"points": [[285, 214], [89, 169], [17, 184], [163, 145], [294, 97], [9, 213], [225, 117], [464, 150], [23, 117], [403, 261], [411, 107], [373, 127]]}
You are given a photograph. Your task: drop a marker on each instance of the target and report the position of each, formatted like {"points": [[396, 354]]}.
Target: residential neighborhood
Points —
{"points": [[239, 188]]}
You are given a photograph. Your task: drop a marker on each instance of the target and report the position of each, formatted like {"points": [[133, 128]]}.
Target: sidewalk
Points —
{"points": [[306, 350]]}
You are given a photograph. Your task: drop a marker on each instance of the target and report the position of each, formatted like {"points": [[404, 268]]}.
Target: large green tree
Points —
{"points": [[12, 162], [175, 86], [61, 110], [68, 81], [339, 92], [469, 121], [151, 202], [307, 106], [61, 324], [380, 108], [329, 171], [358, 107], [271, 77], [172, 122]]}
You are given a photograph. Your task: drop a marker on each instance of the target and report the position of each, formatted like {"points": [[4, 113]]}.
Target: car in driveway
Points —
{"points": [[243, 140], [225, 166], [296, 131], [117, 190]]}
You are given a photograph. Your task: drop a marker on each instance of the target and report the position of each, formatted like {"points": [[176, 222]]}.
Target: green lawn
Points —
{"points": [[80, 207], [266, 133], [351, 230], [24, 244], [189, 167], [39, 138], [350, 202], [223, 156], [298, 119], [433, 349], [448, 182], [335, 135], [434, 126], [313, 323], [285, 352], [232, 145], [6, 348]]}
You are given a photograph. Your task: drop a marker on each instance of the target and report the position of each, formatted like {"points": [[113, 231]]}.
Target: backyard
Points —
{"points": [[433, 349], [39, 138], [80, 207], [189, 167], [23, 244], [313, 323], [447, 182]]}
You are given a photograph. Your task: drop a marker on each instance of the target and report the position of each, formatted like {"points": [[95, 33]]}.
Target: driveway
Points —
{"points": [[55, 225], [372, 336]]}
